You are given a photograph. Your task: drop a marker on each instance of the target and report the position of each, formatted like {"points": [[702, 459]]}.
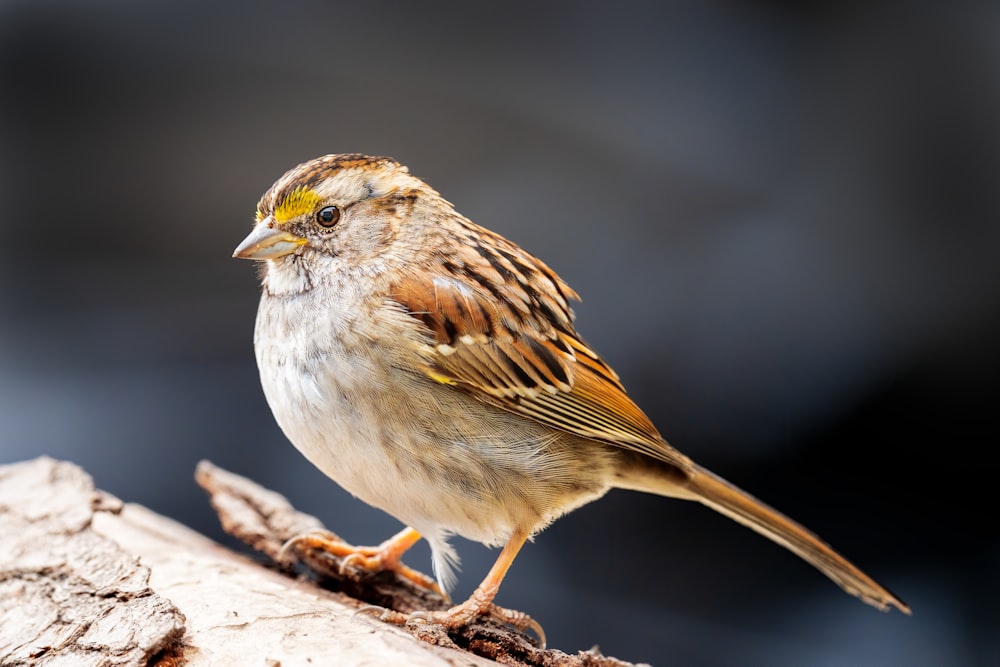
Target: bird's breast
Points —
{"points": [[348, 397]]}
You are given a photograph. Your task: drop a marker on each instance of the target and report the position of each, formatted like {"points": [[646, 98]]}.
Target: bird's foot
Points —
{"points": [[385, 557], [462, 615]]}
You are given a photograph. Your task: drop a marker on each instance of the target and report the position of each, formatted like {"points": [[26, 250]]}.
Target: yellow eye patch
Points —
{"points": [[297, 202]]}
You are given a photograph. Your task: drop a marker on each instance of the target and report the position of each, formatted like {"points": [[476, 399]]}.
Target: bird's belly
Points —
{"points": [[423, 452]]}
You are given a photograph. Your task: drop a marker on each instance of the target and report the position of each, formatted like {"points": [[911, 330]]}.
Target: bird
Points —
{"points": [[432, 368]]}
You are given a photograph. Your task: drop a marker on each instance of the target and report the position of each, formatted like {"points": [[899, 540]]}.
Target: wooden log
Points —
{"points": [[88, 580]]}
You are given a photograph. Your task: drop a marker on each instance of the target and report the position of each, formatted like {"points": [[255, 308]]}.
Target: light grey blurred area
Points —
{"points": [[783, 219]]}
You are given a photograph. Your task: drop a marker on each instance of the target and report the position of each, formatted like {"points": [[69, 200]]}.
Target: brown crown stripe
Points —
{"points": [[308, 174]]}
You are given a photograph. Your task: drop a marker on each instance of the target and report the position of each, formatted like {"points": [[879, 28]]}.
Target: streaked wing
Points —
{"points": [[502, 330]]}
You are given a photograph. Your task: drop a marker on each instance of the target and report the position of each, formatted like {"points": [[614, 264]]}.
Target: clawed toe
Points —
{"points": [[385, 557], [460, 616], [316, 539], [518, 620]]}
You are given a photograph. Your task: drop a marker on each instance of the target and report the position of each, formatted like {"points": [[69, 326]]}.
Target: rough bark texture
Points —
{"points": [[69, 595], [87, 580]]}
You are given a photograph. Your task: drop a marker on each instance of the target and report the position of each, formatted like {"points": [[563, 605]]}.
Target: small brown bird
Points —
{"points": [[432, 368]]}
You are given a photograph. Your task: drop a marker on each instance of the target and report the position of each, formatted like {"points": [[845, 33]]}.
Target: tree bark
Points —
{"points": [[88, 580]]}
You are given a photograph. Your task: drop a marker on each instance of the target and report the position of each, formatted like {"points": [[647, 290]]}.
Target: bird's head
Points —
{"points": [[346, 206]]}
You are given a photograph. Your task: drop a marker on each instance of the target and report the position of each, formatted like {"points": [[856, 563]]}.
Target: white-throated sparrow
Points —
{"points": [[432, 369]]}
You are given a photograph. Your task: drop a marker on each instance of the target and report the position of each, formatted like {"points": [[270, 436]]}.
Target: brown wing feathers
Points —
{"points": [[475, 325], [503, 330]]}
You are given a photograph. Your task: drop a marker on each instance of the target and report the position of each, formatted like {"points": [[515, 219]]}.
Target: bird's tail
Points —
{"points": [[701, 485]]}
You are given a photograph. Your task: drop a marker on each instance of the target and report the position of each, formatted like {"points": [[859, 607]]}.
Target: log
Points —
{"points": [[86, 579]]}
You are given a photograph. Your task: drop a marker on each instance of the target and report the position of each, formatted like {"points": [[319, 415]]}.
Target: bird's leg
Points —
{"points": [[386, 556], [480, 603]]}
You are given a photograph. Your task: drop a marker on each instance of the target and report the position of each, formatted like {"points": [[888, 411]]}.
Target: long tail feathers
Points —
{"points": [[723, 497]]}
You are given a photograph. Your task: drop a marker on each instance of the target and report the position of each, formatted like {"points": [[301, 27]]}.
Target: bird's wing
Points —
{"points": [[501, 328]]}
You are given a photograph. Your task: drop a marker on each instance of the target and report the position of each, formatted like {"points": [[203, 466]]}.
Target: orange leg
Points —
{"points": [[386, 556], [480, 603]]}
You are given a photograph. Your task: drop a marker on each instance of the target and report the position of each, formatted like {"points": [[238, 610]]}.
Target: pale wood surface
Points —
{"points": [[69, 595], [88, 580]]}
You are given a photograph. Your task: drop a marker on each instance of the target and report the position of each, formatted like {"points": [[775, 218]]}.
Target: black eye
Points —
{"points": [[328, 216]]}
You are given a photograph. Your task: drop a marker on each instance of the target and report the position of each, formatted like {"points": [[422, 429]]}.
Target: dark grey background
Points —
{"points": [[784, 223]]}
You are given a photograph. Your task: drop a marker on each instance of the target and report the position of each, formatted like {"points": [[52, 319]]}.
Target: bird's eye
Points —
{"points": [[328, 216]]}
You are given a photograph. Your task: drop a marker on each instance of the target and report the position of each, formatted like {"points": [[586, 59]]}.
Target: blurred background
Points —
{"points": [[783, 218]]}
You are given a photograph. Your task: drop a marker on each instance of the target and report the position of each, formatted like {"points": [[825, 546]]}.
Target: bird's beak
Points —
{"points": [[268, 242]]}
